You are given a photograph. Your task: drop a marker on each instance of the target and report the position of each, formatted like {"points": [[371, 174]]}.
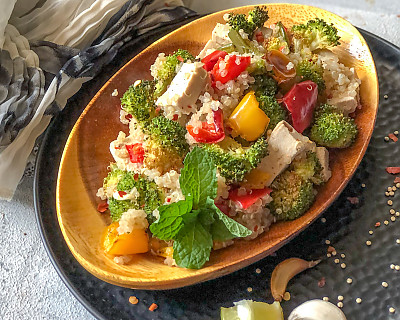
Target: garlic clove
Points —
{"points": [[285, 271], [317, 310]]}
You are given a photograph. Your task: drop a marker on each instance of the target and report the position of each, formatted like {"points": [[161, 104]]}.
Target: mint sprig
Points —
{"points": [[195, 222]]}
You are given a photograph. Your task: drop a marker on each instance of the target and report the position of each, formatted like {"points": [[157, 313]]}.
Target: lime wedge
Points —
{"points": [[252, 310]]}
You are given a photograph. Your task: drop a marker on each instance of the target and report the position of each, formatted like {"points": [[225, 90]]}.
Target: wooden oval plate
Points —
{"points": [[86, 157]]}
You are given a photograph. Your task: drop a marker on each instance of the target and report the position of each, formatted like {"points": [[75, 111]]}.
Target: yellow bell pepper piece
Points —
{"points": [[248, 120], [256, 179], [136, 241]]}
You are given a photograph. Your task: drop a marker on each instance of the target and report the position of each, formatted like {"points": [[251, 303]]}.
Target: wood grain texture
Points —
{"points": [[86, 157]]}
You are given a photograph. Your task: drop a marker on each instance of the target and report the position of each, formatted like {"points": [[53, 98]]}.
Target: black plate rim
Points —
{"points": [[46, 241]]}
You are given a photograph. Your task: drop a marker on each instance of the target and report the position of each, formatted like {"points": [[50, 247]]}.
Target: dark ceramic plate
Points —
{"points": [[347, 224]]}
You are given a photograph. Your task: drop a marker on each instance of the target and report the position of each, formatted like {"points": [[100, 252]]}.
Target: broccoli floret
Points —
{"points": [[333, 129], [149, 195], [255, 19], [167, 70], [308, 167], [272, 109], [139, 101], [273, 43], [310, 69], [315, 34], [291, 196], [234, 161], [264, 85], [169, 134]]}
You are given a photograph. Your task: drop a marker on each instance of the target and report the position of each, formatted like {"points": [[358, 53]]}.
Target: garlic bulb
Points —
{"points": [[317, 310]]}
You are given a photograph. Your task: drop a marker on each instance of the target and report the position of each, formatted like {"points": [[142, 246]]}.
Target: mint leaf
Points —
{"points": [[232, 226], [220, 232], [192, 246], [198, 177], [171, 219]]}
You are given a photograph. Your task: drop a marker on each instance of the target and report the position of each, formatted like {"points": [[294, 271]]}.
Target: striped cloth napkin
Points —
{"points": [[48, 48]]}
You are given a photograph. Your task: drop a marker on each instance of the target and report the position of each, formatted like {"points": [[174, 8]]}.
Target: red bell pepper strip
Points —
{"points": [[136, 152], [249, 198], [300, 102], [225, 70], [393, 170], [209, 133], [102, 207], [210, 60]]}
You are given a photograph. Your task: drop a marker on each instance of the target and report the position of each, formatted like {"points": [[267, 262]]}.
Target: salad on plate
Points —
{"points": [[223, 144]]}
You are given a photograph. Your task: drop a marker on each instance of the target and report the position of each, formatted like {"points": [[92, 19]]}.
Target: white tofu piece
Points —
{"points": [[284, 144], [219, 37], [345, 104], [210, 47], [323, 157], [185, 88]]}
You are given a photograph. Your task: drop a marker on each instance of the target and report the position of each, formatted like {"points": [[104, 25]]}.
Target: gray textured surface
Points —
{"points": [[30, 288]]}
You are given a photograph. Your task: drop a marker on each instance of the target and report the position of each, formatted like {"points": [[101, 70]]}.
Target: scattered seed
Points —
{"points": [[336, 260], [390, 202], [387, 194], [397, 267], [362, 185], [396, 132], [368, 243], [370, 232], [393, 219], [398, 184], [249, 289], [358, 300], [394, 188], [386, 139], [389, 189], [325, 298], [392, 266], [286, 296], [398, 241], [153, 307], [327, 242], [392, 310], [340, 298], [392, 211], [385, 96], [343, 265], [133, 300], [385, 284], [391, 193], [343, 255], [340, 304], [114, 93], [349, 280], [386, 222], [397, 214], [323, 220], [258, 270], [334, 253], [328, 255]]}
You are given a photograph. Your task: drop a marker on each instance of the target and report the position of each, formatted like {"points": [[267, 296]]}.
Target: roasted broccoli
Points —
{"points": [[308, 167], [149, 196], [168, 69], [315, 34], [255, 19], [333, 129], [311, 69], [264, 85], [139, 101], [234, 161], [272, 109], [291, 196]]}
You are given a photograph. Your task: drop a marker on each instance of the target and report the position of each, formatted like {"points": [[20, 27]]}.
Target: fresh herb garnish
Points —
{"points": [[195, 222]]}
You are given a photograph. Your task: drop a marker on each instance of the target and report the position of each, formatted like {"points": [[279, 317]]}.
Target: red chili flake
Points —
{"points": [[378, 224], [128, 116], [321, 282], [142, 206], [331, 249], [168, 199], [180, 58], [397, 180], [102, 207], [158, 109], [153, 307], [393, 137], [398, 16], [136, 176], [175, 117], [393, 170], [255, 228], [121, 193], [117, 148], [353, 200]]}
